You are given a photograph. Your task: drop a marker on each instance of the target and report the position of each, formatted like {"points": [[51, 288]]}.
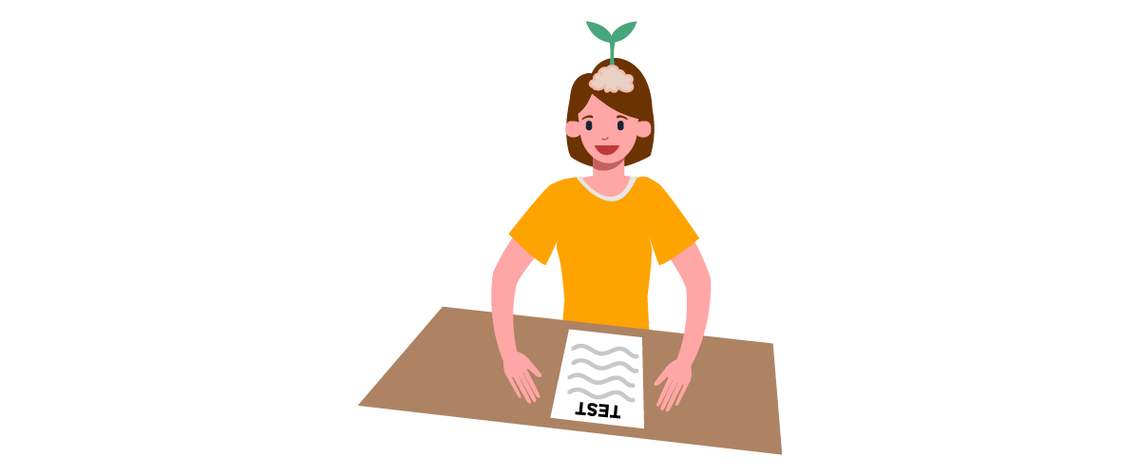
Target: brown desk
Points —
{"points": [[731, 402]]}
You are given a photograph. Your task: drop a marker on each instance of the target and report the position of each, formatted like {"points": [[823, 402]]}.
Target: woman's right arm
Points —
{"points": [[516, 366]]}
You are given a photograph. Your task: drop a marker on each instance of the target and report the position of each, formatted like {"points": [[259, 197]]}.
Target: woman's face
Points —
{"points": [[607, 135]]}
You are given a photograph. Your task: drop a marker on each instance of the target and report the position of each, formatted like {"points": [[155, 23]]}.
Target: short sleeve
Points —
{"points": [[537, 230], [669, 231]]}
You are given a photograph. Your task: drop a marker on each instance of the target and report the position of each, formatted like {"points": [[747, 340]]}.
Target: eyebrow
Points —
{"points": [[584, 118], [623, 117]]}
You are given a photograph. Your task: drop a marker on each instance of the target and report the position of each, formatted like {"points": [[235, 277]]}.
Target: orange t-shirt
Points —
{"points": [[605, 245]]}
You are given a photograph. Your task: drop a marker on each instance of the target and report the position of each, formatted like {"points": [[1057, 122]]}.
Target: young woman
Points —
{"points": [[607, 227]]}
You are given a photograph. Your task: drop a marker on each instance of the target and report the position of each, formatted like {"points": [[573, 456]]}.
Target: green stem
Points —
{"points": [[611, 53]]}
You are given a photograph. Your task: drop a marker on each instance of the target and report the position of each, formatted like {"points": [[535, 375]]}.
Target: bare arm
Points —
{"points": [[512, 264], [691, 265], [677, 375]]}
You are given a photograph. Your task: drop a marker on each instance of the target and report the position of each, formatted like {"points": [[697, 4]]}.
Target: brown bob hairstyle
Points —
{"points": [[636, 103]]}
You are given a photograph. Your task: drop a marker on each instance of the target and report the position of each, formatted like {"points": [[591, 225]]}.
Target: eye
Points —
{"points": [[621, 125], [589, 125]]}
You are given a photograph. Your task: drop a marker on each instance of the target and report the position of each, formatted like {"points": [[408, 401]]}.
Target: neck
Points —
{"points": [[608, 172]]}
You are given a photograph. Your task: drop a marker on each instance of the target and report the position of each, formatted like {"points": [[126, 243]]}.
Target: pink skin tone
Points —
{"points": [[608, 179]]}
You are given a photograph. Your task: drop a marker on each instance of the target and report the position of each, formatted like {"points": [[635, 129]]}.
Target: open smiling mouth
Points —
{"points": [[606, 149]]}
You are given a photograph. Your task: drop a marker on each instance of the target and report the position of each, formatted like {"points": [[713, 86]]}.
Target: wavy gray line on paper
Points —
{"points": [[608, 352], [602, 381], [603, 367], [604, 395]]}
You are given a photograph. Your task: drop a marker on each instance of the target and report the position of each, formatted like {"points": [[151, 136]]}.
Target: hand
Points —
{"points": [[677, 376], [516, 366]]}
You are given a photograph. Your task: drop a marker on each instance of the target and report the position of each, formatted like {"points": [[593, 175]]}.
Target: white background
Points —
{"points": [[222, 222]]}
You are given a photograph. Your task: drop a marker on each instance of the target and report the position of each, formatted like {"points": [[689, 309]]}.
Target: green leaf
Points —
{"points": [[622, 31], [599, 31]]}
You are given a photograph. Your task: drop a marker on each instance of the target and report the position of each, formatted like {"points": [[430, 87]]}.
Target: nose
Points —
{"points": [[604, 138]]}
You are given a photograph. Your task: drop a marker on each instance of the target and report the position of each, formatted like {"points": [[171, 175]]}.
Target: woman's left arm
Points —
{"points": [[679, 373]]}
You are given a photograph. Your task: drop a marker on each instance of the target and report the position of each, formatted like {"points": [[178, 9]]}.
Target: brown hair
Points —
{"points": [[635, 103]]}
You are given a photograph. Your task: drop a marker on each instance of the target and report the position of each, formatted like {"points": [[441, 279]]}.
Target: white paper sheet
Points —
{"points": [[602, 380]]}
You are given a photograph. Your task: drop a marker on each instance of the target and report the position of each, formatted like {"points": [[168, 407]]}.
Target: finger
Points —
{"points": [[667, 394], [662, 377], [535, 370], [673, 397], [523, 382], [526, 386], [683, 387], [512, 381], [664, 391], [533, 387], [523, 389]]}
